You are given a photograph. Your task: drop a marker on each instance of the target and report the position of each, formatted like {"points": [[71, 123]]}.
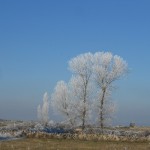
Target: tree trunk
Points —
{"points": [[84, 112], [101, 108], [84, 101], [83, 119]]}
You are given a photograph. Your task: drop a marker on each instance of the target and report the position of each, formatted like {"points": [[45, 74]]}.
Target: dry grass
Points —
{"points": [[136, 128], [61, 144]]}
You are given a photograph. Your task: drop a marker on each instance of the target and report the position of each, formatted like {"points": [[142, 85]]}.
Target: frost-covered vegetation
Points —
{"points": [[86, 98], [43, 110], [61, 131]]}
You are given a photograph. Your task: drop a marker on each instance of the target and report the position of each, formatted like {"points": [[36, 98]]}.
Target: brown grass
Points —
{"points": [[61, 144]]}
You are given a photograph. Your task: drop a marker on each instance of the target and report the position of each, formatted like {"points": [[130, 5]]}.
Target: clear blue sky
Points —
{"points": [[39, 37]]}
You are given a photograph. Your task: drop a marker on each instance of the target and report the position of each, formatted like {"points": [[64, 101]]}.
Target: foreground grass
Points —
{"points": [[56, 144]]}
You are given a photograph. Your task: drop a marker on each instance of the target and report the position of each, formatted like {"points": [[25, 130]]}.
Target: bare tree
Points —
{"points": [[81, 66], [42, 111], [106, 69]]}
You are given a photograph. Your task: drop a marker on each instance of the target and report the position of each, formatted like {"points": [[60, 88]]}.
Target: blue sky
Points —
{"points": [[39, 37]]}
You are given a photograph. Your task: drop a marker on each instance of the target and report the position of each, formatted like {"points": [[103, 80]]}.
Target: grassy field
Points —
{"points": [[55, 144]]}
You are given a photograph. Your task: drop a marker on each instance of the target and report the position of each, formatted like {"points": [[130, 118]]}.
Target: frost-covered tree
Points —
{"points": [[109, 107], [91, 85], [43, 110], [106, 69], [61, 101], [81, 67]]}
